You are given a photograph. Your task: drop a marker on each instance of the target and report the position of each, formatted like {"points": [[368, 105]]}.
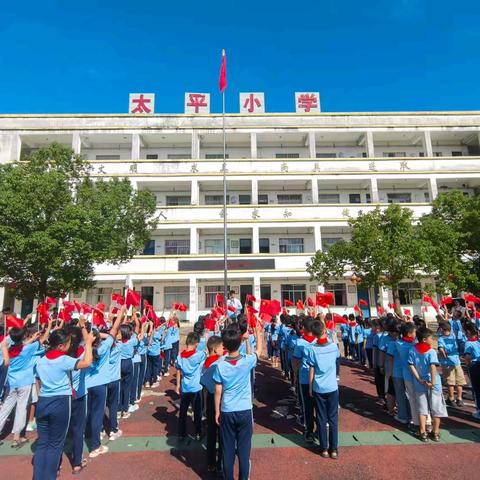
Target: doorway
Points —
{"points": [[244, 291]]}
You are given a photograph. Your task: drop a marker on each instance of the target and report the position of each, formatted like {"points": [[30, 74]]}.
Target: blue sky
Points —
{"points": [[371, 55]]}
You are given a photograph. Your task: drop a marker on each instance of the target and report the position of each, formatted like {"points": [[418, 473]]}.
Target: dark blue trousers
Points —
{"points": [[152, 368], [141, 375], [53, 417], [214, 455], [126, 383], [236, 429], [307, 407], [166, 361], [327, 412], [113, 397], [96, 408], [78, 422], [134, 385], [175, 348], [3, 377], [195, 399]]}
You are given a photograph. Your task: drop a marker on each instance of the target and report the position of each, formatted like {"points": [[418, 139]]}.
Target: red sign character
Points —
{"points": [[141, 107], [250, 102], [196, 100], [307, 101]]}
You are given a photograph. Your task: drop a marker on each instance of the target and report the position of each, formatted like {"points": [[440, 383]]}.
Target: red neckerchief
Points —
{"points": [[233, 361], [407, 339], [162, 355], [352, 324], [53, 354], [422, 347], [322, 341], [188, 353], [211, 360], [309, 338], [124, 340], [473, 339], [80, 350], [15, 350], [330, 324]]}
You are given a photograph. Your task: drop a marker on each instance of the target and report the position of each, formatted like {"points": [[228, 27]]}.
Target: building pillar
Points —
{"points": [[427, 144], [384, 297], [17, 306], [317, 234], [195, 193], [193, 300], [255, 239], [314, 183], [253, 145], [370, 146], [256, 289], [433, 188], [16, 147], [76, 143], [312, 147], [2, 297], [374, 190], [136, 143], [254, 191], [193, 241], [195, 145]]}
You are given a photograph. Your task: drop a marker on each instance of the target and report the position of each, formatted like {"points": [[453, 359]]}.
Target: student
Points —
{"points": [[153, 357], [369, 334], [113, 392], [20, 378], [189, 369], [423, 360], [389, 389], [301, 371], [142, 351], [273, 337], [215, 353], [472, 357], [268, 329], [345, 334], [175, 333], [54, 402], [137, 364], [167, 347], [233, 400], [353, 332], [452, 371], [323, 388], [377, 366], [284, 332]]}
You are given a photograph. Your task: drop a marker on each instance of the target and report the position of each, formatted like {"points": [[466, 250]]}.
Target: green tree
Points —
{"points": [[384, 249], [56, 223]]}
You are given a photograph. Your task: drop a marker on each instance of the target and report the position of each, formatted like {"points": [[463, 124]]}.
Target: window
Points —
{"points": [[102, 295], [264, 244], [149, 248], [152, 156], [399, 197], [216, 156], [427, 196], [364, 154], [354, 198], [289, 199], [245, 246], [177, 294], [339, 291], [394, 154], [327, 155], [215, 199], [328, 242], [266, 292], [214, 246], [437, 154], [245, 199], [211, 293], [291, 245], [175, 200], [107, 157], [293, 292], [329, 198], [178, 156], [368, 198], [457, 154], [287, 155], [421, 154], [408, 292], [146, 294], [263, 199], [177, 247]]}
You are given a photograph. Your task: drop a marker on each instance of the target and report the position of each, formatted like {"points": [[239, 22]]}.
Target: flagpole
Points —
{"points": [[225, 236]]}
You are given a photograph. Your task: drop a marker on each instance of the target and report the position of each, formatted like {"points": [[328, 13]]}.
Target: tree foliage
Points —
{"points": [[56, 223]]}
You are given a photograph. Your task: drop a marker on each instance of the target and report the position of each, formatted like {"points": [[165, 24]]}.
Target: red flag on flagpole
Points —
{"points": [[223, 73]]}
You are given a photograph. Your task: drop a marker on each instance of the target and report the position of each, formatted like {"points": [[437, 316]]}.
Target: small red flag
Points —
{"points": [[300, 305], [42, 310], [223, 73], [339, 319], [132, 298], [310, 302], [363, 302], [429, 300], [288, 303], [406, 311], [11, 321], [250, 298], [380, 310]]}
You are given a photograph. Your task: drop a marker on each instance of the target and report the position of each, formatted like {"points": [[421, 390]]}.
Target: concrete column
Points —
{"points": [[135, 146], [2, 297], [312, 147], [193, 241], [427, 144], [134, 184], [76, 143], [317, 233], [17, 306], [374, 190], [254, 191], [255, 239], [384, 296], [253, 145], [16, 147], [195, 192], [256, 288], [433, 188], [314, 183], [370, 146], [195, 145], [193, 300]]}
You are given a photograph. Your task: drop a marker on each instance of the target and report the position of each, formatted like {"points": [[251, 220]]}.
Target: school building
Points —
{"points": [[293, 178]]}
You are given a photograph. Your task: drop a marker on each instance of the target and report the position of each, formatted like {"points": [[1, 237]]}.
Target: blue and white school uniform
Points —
{"points": [[403, 349], [136, 360], [368, 336], [175, 332], [167, 349], [142, 351], [393, 352], [127, 352], [472, 351], [113, 387], [153, 358]]}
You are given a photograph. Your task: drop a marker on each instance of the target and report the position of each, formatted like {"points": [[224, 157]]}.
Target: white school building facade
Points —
{"points": [[293, 179]]}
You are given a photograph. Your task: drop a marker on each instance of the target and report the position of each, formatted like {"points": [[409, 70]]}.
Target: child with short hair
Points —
{"points": [[323, 386], [215, 353], [450, 362], [472, 357], [423, 361], [189, 368]]}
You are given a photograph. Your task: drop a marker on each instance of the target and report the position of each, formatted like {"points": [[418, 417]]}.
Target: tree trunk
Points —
{"points": [[396, 300]]}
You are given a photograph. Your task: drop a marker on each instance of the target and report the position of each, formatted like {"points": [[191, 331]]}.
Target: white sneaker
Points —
{"points": [[155, 385], [476, 415], [125, 415], [141, 394], [115, 435], [99, 451], [102, 435], [31, 426], [137, 401], [133, 408], [166, 374]]}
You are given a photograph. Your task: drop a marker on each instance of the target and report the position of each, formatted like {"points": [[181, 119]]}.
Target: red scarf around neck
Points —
{"points": [[188, 353], [211, 360], [80, 350], [352, 324], [473, 339], [407, 339], [15, 350], [53, 354], [322, 341], [308, 338], [422, 347]]}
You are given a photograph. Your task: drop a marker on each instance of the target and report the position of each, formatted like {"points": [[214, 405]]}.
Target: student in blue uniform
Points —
{"points": [[54, 403], [215, 354], [110, 421], [189, 369], [167, 348], [322, 360], [345, 338], [175, 332], [472, 357], [142, 351], [233, 400], [153, 356], [368, 335], [379, 374], [137, 361]]}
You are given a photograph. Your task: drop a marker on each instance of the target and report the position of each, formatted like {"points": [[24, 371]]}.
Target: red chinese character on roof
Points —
{"points": [[250, 102], [142, 104], [307, 101], [197, 100]]}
